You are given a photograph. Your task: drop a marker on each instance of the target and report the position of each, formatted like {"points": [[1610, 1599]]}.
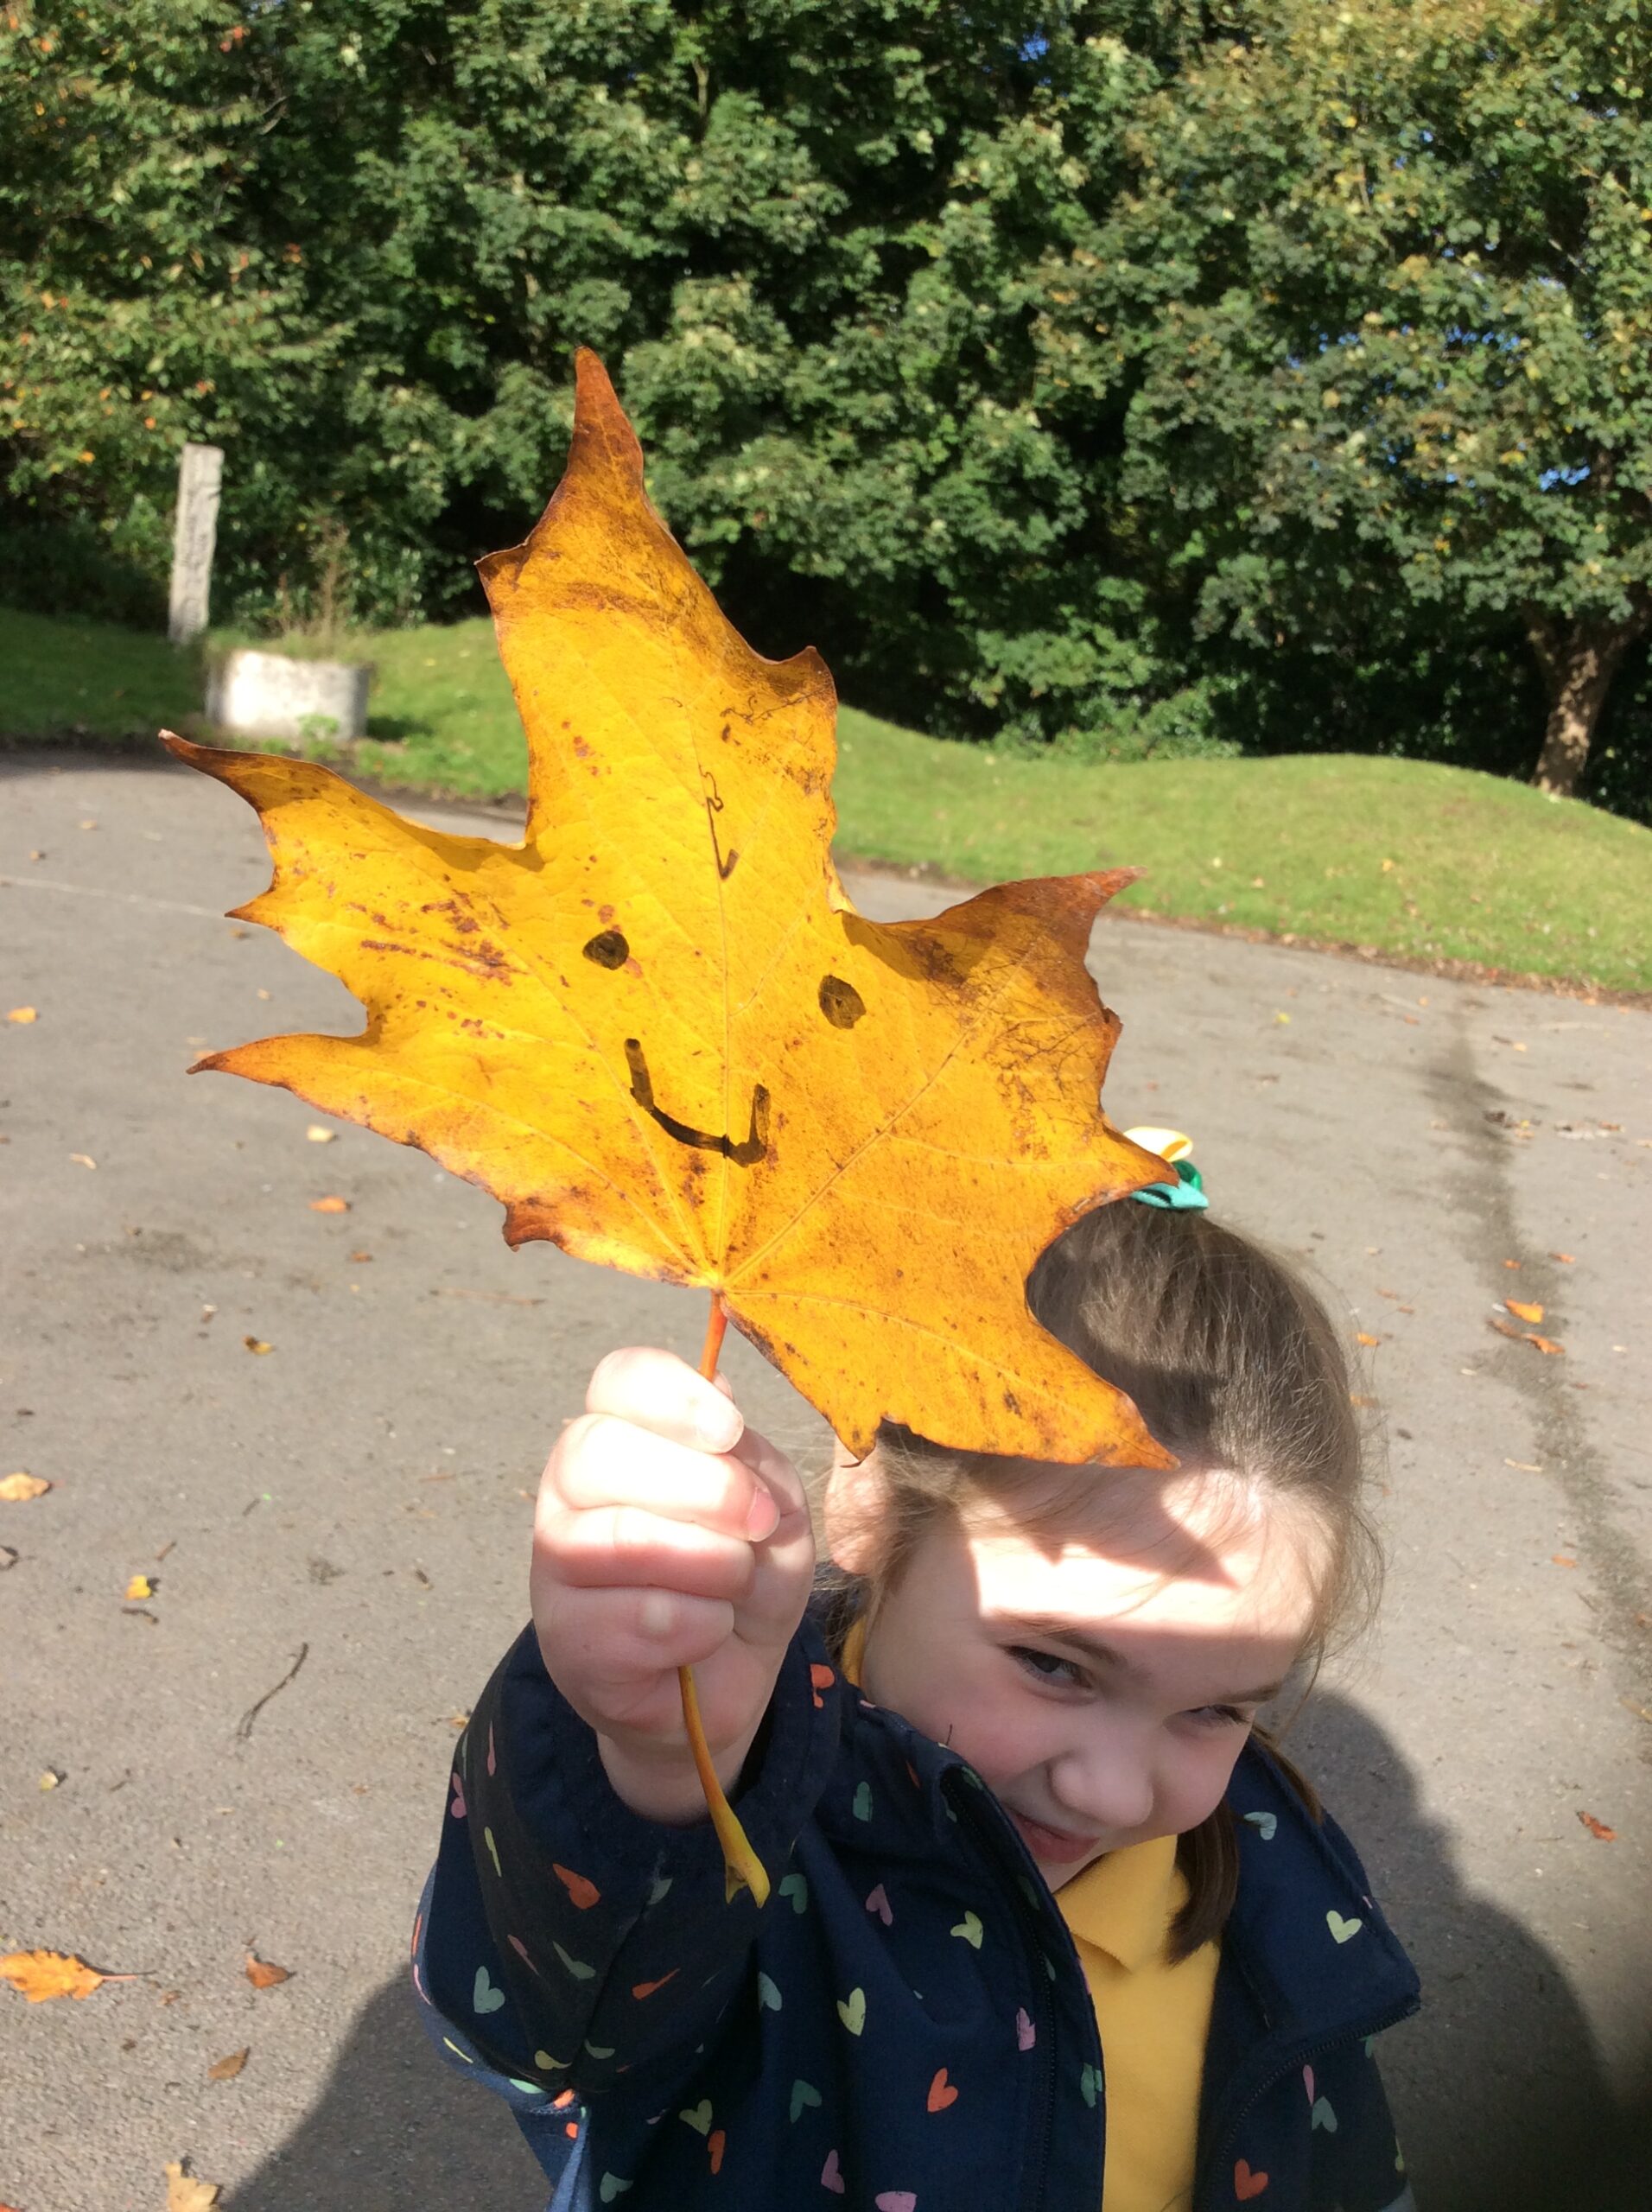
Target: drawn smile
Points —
{"points": [[751, 1149]]}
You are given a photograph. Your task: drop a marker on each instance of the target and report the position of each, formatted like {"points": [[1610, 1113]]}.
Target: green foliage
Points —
{"points": [[1386, 275], [357, 246], [1102, 376]]}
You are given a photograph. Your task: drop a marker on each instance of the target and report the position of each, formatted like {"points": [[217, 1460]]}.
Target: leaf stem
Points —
{"points": [[740, 1862]]}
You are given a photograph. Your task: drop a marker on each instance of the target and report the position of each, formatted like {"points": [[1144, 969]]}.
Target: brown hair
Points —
{"points": [[1234, 1364]]}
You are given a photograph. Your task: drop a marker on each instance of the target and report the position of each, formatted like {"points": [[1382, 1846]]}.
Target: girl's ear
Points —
{"points": [[854, 1507]]}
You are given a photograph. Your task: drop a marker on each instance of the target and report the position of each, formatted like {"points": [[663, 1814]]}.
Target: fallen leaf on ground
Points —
{"points": [[257, 1344], [361, 1259], [1524, 1466], [1566, 1258], [18, 1489], [262, 1975], [1366, 1337], [329, 1205], [140, 1587], [186, 2194], [83, 1160], [1561, 1559], [226, 2070], [50, 1779], [1512, 1263], [41, 1975], [317, 1135], [1358, 1398], [657, 1030], [1527, 1336], [1599, 1829], [22, 1013], [1522, 1311]]}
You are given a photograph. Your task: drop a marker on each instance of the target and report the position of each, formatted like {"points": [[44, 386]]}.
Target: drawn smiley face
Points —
{"points": [[839, 1002]]}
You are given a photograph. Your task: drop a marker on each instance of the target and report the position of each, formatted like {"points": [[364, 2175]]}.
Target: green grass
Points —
{"points": [[1410, 859]]}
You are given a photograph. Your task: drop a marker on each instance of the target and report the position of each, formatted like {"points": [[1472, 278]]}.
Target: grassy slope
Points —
{"points": [[1413, 859]]}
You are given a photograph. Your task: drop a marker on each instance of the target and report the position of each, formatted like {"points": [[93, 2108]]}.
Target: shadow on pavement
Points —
{"points": [[394, 2129], [1497, 2086]]}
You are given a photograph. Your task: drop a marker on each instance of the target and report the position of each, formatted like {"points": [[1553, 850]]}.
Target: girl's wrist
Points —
{"points": [[664, 1785]]}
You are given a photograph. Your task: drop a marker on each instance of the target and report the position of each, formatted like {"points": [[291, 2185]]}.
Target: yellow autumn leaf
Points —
{"points": [[256, 1344], [1523, 1312], [659, 1032], [139, 1586], [186, 2194], [22, 1013], [226, 2070], [18, 1489], [329, 1205], [42, 1975]]}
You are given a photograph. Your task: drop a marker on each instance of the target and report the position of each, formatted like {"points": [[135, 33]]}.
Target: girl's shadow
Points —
{"points": [[393, 2129], [1498, 2087]]}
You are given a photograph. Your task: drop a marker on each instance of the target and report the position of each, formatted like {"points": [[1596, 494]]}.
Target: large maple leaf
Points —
{"points": [[658, 1031]]}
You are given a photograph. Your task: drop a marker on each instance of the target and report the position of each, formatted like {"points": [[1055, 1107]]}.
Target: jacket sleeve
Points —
{"points": [[1358, 2163], [571, 1940]]}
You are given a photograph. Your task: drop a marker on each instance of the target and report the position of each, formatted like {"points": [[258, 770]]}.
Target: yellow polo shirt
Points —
{"points": [[1153, 2017]]}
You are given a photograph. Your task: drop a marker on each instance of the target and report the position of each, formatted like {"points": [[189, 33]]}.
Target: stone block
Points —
{"points": [[267, 695]]}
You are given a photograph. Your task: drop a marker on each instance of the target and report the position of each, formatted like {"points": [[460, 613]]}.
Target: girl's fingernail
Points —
{"points": [[762, 1518], [717, 1429]]}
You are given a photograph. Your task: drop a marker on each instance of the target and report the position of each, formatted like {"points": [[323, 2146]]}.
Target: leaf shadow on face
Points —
{"points": [[1498, 2087], [394, 2126]]}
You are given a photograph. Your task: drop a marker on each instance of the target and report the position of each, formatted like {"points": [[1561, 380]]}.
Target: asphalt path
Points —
{"points": [[360, 1495]]}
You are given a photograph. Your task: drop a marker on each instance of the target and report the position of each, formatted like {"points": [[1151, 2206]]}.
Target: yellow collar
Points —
{"points": [[1123, 1904]]}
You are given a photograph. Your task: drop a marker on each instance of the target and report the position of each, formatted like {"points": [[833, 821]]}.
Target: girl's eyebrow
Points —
{"points": [[1055, 1629]]}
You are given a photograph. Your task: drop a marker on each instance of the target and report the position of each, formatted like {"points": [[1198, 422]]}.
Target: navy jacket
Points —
{"points": [[905, 2025]]}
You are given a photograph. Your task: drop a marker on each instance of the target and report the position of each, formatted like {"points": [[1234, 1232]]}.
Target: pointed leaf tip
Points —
{"points": [[602, 431]]}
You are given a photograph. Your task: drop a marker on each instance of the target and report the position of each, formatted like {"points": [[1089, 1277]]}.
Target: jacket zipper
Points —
{"points": [[1303, 2054], [1038, 1975]]}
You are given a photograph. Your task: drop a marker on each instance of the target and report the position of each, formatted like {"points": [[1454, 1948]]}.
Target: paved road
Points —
{"points": [[361, 1493]]}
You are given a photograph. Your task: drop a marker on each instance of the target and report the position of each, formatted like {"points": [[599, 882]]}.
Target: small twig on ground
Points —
{"points": [[243, 1725]]}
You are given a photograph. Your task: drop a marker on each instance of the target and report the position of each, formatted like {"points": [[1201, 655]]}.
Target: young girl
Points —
{"points": [[1052, 1927]]}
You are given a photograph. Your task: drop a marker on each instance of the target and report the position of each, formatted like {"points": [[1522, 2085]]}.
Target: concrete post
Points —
{"points": [[200, 475]]}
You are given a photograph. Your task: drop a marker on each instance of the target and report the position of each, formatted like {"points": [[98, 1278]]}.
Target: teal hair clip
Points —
{"points": [[1186, 1193]]}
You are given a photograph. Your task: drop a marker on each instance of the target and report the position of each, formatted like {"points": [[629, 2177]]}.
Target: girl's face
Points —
{"points": [[1102, 1674]]}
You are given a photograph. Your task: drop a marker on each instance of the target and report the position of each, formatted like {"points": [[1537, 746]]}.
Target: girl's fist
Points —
{"points": [[667, 1534]]}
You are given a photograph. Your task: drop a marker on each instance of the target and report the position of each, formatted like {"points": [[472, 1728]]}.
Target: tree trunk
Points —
{"points": [[1578, 660]]}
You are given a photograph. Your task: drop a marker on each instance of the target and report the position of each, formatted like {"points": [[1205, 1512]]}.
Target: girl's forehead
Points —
{"points": [[1202, 1551]]}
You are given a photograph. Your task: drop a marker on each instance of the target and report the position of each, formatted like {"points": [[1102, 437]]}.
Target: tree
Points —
{"points": [[1384, 283], [822, 242], [137, 305]]}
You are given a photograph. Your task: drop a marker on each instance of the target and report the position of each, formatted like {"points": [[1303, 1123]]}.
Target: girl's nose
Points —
{"points": [[1103, 1787]]}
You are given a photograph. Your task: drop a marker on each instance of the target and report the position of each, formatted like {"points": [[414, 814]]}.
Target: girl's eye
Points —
{"points": [[1219, 1716], [1046, 1666]]}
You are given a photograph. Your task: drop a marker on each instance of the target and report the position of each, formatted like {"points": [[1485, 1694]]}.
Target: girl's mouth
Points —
{"points": [[1053, 1844]]}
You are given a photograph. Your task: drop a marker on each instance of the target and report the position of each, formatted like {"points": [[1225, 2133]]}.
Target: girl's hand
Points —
{"points": [[667, 1534]]}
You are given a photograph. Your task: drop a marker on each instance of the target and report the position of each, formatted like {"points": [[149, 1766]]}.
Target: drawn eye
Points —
{"points": [[608, 950], [840, 1002]]}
